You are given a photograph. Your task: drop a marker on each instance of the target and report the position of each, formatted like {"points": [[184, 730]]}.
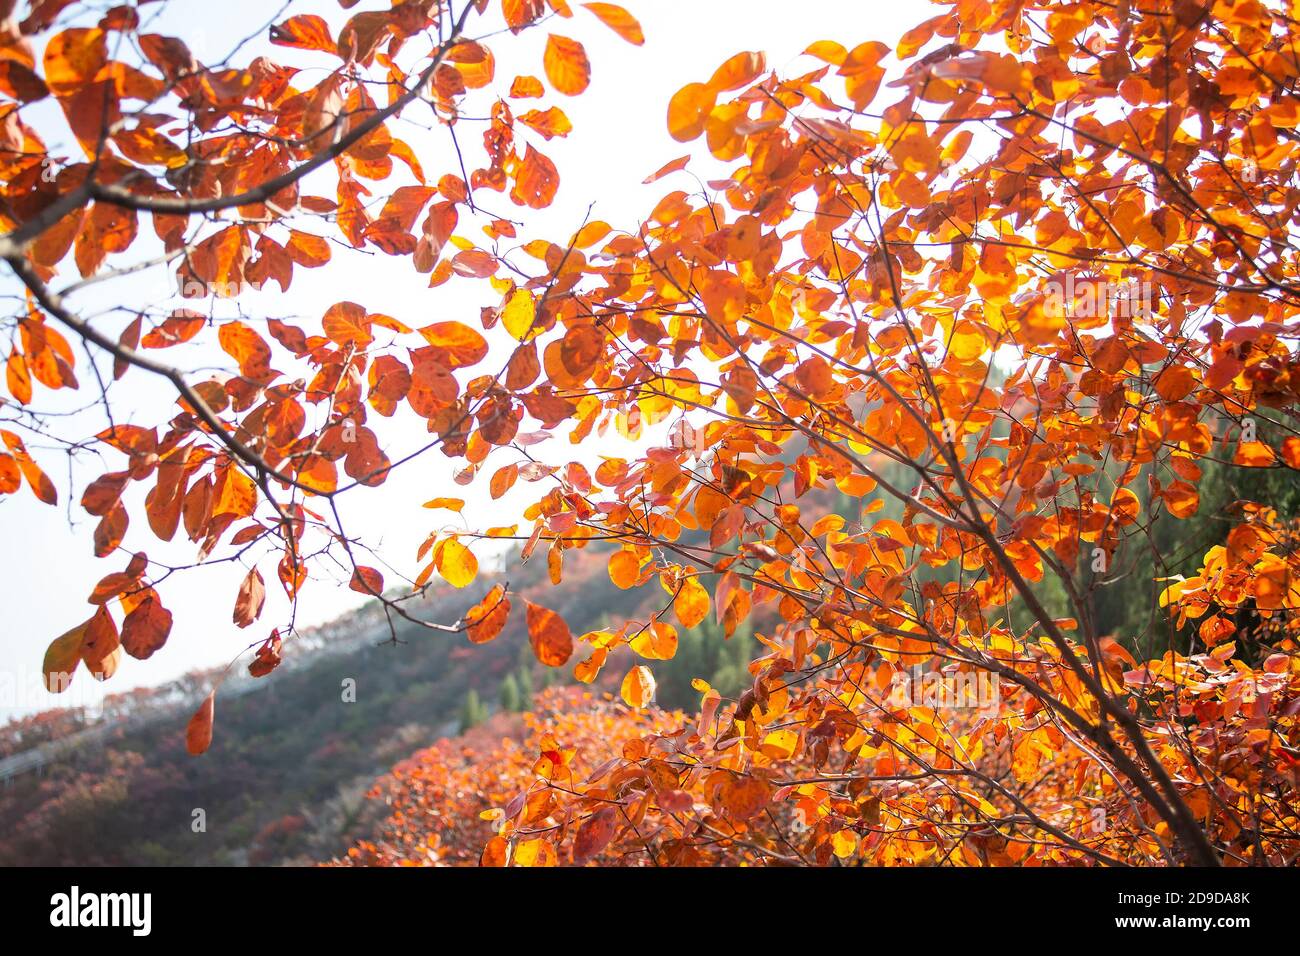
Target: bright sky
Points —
{"points": [[46, 562]]}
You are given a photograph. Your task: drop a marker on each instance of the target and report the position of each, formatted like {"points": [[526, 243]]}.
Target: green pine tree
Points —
{"points": [[472, 711], [509, 694]]}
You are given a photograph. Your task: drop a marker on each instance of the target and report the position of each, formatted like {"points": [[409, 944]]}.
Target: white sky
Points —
{"points": [[46, 564]]}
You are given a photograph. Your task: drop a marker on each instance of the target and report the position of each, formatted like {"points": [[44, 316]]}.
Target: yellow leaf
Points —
{"points": [[844, 843], [534, 853], [456, 563], [518, 315], [968, 342], [780, 744], [657, 642], [61, 659]]}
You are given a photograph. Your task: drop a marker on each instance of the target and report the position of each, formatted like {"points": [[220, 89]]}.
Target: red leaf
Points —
{"points": [[198, 734], [367, 581]]}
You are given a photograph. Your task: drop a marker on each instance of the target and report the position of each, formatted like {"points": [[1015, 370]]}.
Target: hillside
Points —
{"points": [[285, 776]]}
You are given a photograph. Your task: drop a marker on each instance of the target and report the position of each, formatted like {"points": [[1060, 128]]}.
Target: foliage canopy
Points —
{"points": [[1027, 277]]}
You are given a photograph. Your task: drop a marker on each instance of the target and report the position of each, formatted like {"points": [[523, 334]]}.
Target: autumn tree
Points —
{"points": [[1019, 280]]}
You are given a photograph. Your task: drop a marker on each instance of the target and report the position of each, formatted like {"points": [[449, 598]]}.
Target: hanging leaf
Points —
{"points": [[484, 620], [550, 637], [638, 688], [198, 733]]}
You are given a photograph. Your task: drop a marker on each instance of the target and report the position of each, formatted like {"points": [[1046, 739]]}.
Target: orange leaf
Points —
{"points": [[691, 603], [1111, 355], [451, 504], [588, 670], [1182, 499], [474, 263], [236, 494], [367, 580], [1291, 452], [502, 481], [39, 482], [624, 568], [18, 379], [198, 733], [550, 636], [74, 58], [744, 796], [1253, 454], [10, 476], [101, 648], [526, 88], [307, 250], [1174, 383], [110, 530], [306, 32], [246, 347], [688, 110], [268, 656], [494, 852], [347, 323], [566, 65], [670, 167], [484, 620], [638, 688], [738, 71], [520, 13], [458, 345], [536, 180], [180, 327], [618, 20], [550, 123]]}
